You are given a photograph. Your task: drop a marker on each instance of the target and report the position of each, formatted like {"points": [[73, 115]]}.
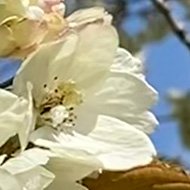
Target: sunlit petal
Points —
{"points": [[115, 144]]}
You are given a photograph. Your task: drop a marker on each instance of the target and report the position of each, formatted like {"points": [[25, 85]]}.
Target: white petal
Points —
{"points": [[35, 13], [13, 116], [16, 116], [65, 166], [145, 122], [87, 115], [116, 144], [80, 187], [9, 124], [68, 162], [28, 121], [88, 15], [77, 54], [2, 158], [26, 161], [126, 94], [93, 55], [35, 179], [59, 8], [125, 63], [129, 146], [8, 181], [27, 170], [128, 98], [7, 99]]}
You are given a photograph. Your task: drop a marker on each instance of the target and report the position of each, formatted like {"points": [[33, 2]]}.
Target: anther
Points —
{"points": [[71, 114], [71, 108]]}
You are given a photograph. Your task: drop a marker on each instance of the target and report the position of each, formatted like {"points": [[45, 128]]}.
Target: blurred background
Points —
{"points": [[146, 33]]}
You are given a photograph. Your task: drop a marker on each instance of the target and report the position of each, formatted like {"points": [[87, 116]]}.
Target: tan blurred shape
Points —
{"points": [[21, 35], [23, 28], [155, 176]]}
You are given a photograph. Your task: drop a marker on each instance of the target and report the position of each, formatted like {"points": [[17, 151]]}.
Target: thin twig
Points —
{"points": [[180, 32]]}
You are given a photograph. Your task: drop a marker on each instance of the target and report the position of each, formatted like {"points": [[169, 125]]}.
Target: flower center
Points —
{"points": [[58, 105]]}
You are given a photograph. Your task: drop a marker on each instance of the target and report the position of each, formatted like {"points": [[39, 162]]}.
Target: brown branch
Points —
{"points": [[156, 176], [180, 32]]}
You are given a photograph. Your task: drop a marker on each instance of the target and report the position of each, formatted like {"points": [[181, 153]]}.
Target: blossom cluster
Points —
{"points": [[78, 104]]}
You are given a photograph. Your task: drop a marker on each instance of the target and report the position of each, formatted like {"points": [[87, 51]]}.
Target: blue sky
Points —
{"points": [[168, 64], [8, 68]]}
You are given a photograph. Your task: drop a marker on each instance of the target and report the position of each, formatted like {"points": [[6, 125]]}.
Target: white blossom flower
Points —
{"points": [[24, 24], [74, 82], [86, 100], [77, 19]]}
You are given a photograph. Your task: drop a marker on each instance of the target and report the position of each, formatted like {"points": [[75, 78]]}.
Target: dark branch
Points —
{"points": [[180, 32]]}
